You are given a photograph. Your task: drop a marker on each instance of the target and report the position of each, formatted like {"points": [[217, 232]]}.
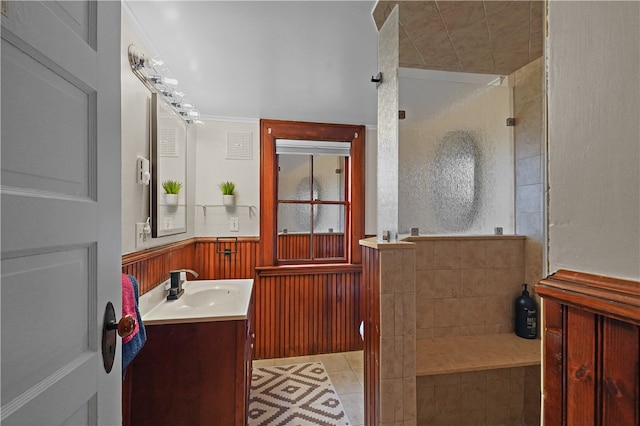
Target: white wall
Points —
{"points": [[136, 141], [206, 167], [593, 115], [212, 167]]}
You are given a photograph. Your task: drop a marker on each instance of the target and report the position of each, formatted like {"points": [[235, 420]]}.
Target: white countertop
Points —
{"points": [[202, 301]]}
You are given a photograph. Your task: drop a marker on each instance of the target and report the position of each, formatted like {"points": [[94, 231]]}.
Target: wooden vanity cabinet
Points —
{"points": [[193, 374]]}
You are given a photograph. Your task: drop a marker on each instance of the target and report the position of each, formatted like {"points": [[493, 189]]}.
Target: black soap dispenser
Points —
{"points": [[526, 315]]}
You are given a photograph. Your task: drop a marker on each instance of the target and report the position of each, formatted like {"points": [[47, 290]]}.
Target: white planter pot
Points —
{"points": [[171, 199], [228, 200]]}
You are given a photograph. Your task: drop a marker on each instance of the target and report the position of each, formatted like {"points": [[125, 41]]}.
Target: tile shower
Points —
{"points": [[465, 292], [448, 354], [498, 193]]}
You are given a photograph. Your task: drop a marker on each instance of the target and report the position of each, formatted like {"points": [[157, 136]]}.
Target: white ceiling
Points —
{"points": [[289, 60]]}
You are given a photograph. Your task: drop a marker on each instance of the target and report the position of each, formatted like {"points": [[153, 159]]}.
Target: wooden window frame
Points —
{"points": [[270, 130]]}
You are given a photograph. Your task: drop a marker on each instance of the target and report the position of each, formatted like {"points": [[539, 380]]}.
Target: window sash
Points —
{"points": [[310, 147]]}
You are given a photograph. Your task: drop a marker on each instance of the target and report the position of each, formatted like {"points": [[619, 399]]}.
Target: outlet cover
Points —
{"points": [[234, 226], [141, 238]]}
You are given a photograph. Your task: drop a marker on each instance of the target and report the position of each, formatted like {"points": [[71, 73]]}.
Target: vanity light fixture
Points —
{"points": [[157, 62], [149, 71], [181, 105], [160, 80], [190, 113]]}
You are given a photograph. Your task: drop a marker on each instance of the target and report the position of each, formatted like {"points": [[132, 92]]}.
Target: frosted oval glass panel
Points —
{"points": [[457, 180], [456, 153]]}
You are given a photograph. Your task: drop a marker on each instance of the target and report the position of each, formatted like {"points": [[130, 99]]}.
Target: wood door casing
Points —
{"points": [[371, 314], [270, 130]]}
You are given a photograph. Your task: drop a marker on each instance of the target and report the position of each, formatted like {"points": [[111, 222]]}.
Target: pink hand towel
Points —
{"points": [[131, 344]]}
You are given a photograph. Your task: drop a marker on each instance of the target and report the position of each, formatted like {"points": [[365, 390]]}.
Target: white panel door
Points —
{"points": [[60, 210]]}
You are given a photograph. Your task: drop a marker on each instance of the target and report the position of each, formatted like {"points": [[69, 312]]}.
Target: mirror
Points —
{"points": [[168, 165]]}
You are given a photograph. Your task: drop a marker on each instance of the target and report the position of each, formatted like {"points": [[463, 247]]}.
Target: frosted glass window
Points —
{"points": [[294, 218], [330, 219], [311, 206], [328, 171], [293, 177]]}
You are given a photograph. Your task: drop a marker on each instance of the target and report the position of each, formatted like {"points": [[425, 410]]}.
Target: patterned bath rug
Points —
{"points": [[294, 395]]}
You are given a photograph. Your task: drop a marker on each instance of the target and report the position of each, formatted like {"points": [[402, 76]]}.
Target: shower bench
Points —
{"points": [[463, 354], [467, 285], [482, 379]]}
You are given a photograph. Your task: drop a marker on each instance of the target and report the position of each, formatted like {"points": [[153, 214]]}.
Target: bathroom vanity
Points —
{"points": [[195, 367]]}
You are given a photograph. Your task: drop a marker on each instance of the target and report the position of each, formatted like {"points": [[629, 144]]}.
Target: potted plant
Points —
{"points": [[171, 190], [228, 193]]}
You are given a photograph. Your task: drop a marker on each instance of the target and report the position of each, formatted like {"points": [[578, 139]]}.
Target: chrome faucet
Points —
{"points": [[176, 290]]}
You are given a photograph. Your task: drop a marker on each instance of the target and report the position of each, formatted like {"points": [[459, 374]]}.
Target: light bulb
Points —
{"points": [[157, 79]]}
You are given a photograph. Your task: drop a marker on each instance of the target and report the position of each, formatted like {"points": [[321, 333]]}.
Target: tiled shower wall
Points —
{"points": [[507, 396], [389, 309], [467, 285]]}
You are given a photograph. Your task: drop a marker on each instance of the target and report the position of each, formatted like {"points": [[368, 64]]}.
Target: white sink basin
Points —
{"points": [[217, 295], [202, 301]]}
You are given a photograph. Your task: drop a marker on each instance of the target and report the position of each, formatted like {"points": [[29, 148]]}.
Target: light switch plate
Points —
{"points": [[168, 223], [234, 225]]}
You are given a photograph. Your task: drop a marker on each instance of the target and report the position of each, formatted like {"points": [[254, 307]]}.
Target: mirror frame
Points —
{"points": [[156, 201]]}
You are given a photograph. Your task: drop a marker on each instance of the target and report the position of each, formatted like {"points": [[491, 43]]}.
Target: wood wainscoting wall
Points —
{"points": [[307, 310], [151, 267], [370, 307], [325, 245], [299, 310], [591, 350], [239, 261]]}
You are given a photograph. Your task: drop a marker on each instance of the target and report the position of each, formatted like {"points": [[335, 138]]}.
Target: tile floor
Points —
{"points": [[346, 370]]}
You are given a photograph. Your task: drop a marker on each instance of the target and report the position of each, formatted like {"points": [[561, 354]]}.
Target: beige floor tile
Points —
{"points": [[336, 364], [257, 363], [345, 382], [360, 375], [292, 360], [355, 360], [353, 404]]}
